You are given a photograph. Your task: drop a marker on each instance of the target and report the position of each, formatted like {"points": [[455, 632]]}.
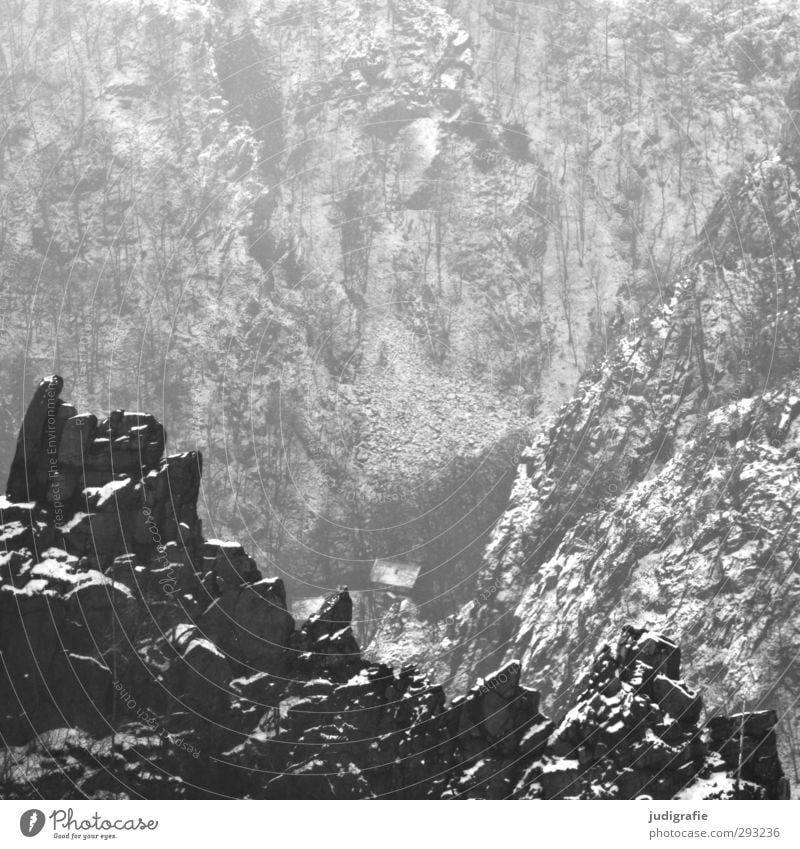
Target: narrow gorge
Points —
{"points": [[400, 399]]}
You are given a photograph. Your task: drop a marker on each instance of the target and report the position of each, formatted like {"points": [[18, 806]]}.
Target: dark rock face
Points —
{"points": [[746, 743], [127, 641], [28, 479]]}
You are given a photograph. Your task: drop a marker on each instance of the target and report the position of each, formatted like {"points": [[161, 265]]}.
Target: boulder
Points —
{"points": [[217, 624], [336, 612], [82, 691], [97, 536], [263, 626], [326, 641], [11, 511], [534, 739], [487, 778], [655, 651], [76, 437], [16, 536], [119, 495], [32, 630], [127, 443], [758, 725], [227, 565], [561, 779], [181, 474], [489, 716], [262, 689], [676, 700], [102, 612], [199, 671]]}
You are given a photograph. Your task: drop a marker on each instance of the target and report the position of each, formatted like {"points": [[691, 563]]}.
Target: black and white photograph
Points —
{"points": [[400, 401]]}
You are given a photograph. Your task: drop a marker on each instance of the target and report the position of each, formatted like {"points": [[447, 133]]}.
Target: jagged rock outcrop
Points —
{"points": [[173, 668], [429, 263], [107, 579]]}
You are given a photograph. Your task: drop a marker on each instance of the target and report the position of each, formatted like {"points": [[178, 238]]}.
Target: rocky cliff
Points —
{"points": [[141, 660], [356, 249], [357, 252], [665, 491]]}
